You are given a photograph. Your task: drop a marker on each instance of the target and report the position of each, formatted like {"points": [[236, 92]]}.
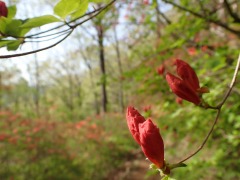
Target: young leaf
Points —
{"points": [[168, 178], [3, 43], [65, 7], [40, 21], [82, 8], [11, 45], [12, 11], [3, 25], [12, 28]]}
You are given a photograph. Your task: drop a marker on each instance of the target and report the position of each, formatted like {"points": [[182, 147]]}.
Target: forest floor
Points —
{"points": [[133, 169]]}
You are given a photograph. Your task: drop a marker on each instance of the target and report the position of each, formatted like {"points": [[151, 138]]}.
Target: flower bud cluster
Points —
{"points": [[186, 86]]}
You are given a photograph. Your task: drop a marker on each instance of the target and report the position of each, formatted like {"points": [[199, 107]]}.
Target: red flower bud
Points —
{"points": [[152, 143], [134, 118], [146, 2], [192, 51], [185, 71], [183, 89], [161, 69], [3, 9], [147, 108], [179, 100]]}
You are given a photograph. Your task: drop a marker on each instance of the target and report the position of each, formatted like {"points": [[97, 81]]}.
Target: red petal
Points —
{"points": [[152, 143], [182, 89], [134, 118], [186, 72]]}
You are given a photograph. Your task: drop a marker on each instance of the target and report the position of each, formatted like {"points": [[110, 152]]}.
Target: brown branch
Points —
{"points": [[232, 83], [232, 14], [57, 27], [91, 17], [35, 51], [207, 18], [205, 139]]}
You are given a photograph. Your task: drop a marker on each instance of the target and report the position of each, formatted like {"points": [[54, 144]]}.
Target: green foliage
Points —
{"points": [[91, 148], [39, 21], [12, 10], [73, 8]]}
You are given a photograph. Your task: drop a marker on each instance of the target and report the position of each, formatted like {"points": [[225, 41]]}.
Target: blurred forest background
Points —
{"points": [[62, 111]]}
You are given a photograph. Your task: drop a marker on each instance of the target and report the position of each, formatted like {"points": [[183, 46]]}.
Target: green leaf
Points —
{"points": [[12, 28], [99, 1], [13, 45], [40, 21], [168, 178], [82, 8], [165, 178], [65, 7], [12, 11], [3, 43], [3, 24]]}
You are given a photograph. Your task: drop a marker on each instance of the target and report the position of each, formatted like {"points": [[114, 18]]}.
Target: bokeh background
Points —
{"points": [[62, 117]]}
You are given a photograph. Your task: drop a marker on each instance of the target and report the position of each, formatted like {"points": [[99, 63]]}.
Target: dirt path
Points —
{"points": [[134, 169]]}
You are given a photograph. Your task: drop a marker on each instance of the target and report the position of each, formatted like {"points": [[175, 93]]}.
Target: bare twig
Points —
{"points": [[207, 18], [232, 14], [232, 83], [205, 140]]}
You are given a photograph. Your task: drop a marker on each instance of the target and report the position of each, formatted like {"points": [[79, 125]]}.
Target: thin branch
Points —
{"points": [[38, 50], [52, 34], [205, 139], [207, 18], [57, 27], [232, 14], [92, 16], [49, 39], [232, 83]]}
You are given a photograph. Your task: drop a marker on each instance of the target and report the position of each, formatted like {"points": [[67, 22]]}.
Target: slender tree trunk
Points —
{"points": [[102, 66], [158, 19], [37, 88], [93, 88], [97, 109], [121, 96], [71, 96]]}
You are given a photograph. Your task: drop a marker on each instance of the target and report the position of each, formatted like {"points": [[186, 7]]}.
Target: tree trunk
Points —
{"points": [[37, 88], [121, 99], [102, 66]]}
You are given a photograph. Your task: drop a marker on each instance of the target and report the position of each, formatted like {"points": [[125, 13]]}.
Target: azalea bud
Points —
{"points": [[192, 51], [3, 9], [179, 100], [146, 2], [182, 89], [147, 108], [152, 143], [186, 72], [134, 118], [161, 69]]}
